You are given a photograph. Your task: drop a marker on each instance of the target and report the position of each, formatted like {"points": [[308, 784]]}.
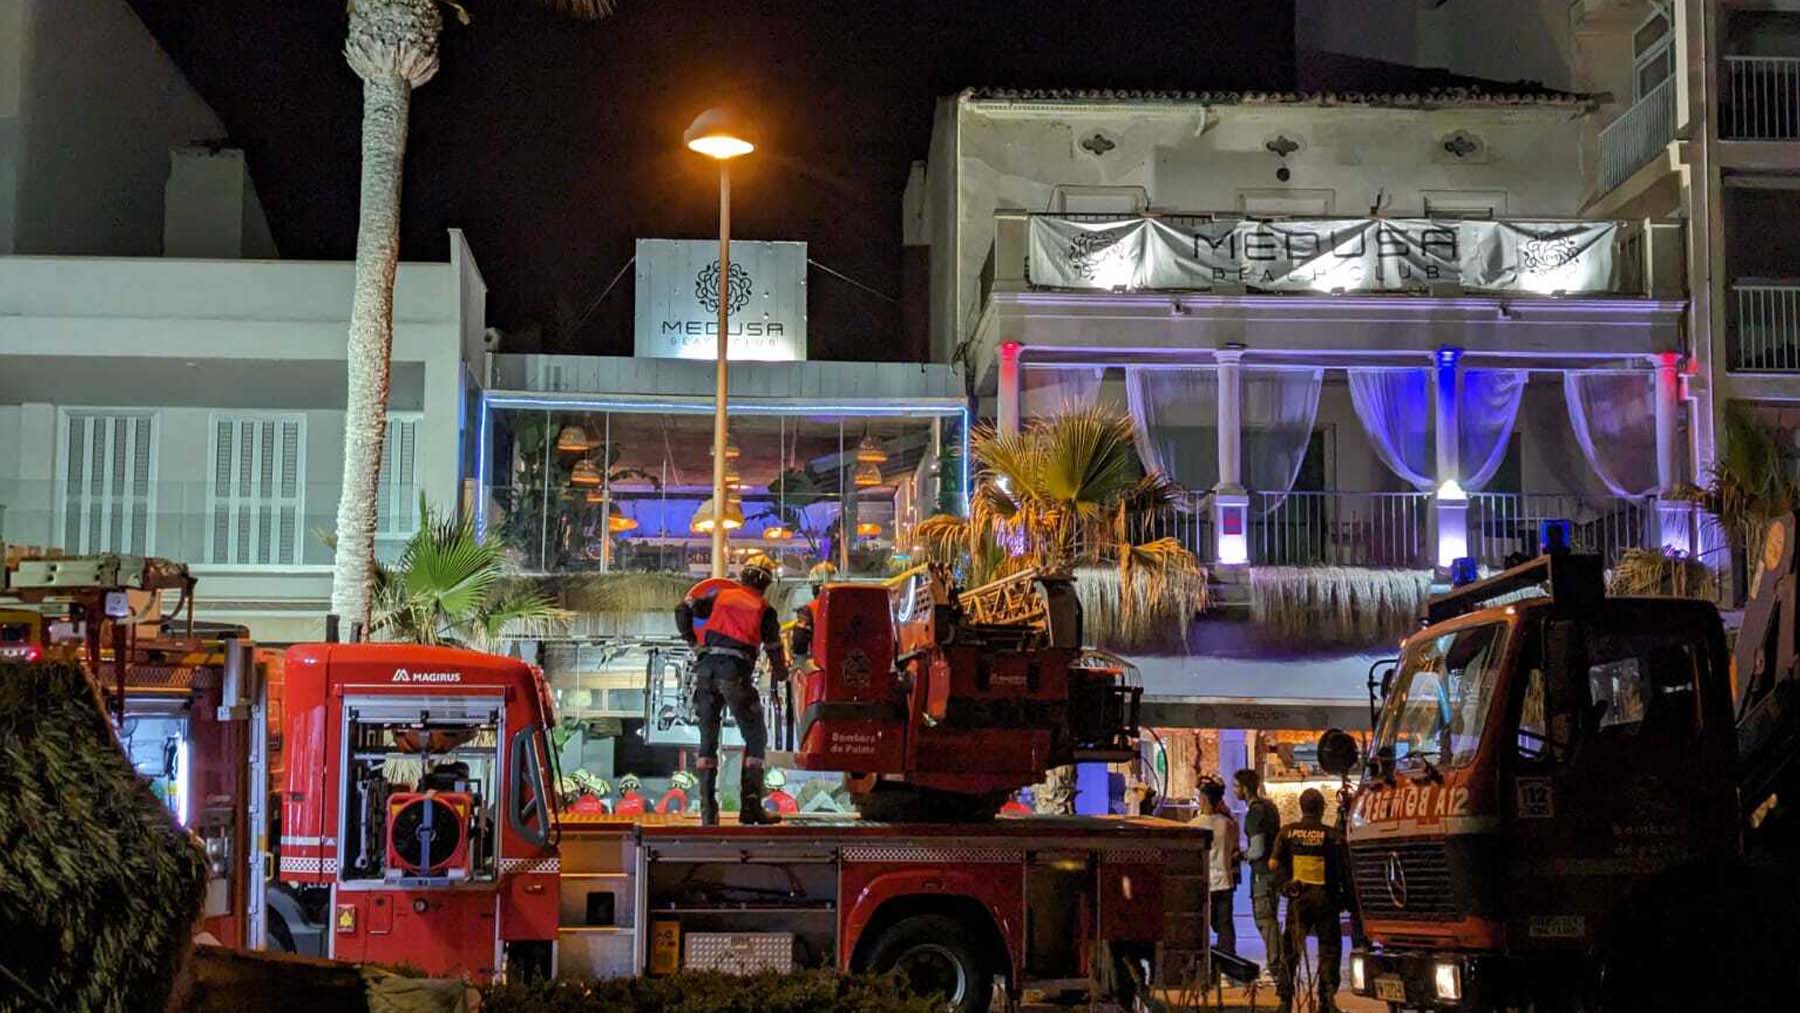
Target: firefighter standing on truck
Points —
{"points": [[738, 622], [1308, 871]]}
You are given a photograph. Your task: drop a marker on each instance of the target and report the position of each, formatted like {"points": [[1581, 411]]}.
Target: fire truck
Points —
{"points": [[191, 705], [1575, 801], [419, 800]]}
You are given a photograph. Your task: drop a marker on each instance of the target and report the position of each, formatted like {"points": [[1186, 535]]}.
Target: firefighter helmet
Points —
{"points": [[758, 571], [683, 779]]}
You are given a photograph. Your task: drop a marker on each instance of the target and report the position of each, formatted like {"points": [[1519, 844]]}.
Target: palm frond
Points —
{"points": [[581, 10]]}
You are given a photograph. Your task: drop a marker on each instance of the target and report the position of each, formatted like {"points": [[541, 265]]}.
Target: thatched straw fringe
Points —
{"points": [[100, 891], [1153, 615], [1337, 605]]}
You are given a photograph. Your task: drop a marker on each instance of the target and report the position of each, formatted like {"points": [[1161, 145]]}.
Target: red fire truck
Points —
{"points": [[418, 796]]}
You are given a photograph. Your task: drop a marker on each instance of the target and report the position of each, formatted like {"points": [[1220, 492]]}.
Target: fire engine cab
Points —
{"points": [[418, 794]]}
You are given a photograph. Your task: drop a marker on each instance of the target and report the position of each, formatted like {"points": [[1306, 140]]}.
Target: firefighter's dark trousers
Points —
{"points": [[1310, 912], [722, 681]]}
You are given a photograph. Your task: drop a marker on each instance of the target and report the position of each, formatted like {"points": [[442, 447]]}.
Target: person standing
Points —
{"points": [[1221, 865], [1308, 868], [1262, 822], [737, 621]]}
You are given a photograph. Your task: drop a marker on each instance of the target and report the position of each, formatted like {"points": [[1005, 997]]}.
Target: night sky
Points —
{"points": [[555, 144]]}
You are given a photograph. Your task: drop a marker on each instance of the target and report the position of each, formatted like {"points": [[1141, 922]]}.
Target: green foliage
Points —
{"points": [[452, 588], [626, 592], [1655, 573], [1751, 484], [100, 891], [1063, 494], [710, 992]]}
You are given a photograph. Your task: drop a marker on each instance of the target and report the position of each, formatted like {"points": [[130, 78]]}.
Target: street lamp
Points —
{"points": [[722, 135]]}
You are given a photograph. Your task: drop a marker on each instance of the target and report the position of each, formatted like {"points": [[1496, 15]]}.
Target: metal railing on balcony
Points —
{"points": [[1632, 140], [1765, 326], [1506, 525], [1190, 523], [1761, 99], [1374, 529]]}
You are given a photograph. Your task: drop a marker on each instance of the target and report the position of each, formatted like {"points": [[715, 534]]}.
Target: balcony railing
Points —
{"points": [[1373, 529], [1761, 99], [1503, 525], [198, 523], [1632, 140], [1190, 524], [1765, 326]]}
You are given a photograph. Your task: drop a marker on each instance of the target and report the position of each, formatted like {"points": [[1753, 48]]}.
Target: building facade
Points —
{"points": [[1367, 334], [1702, 123], [194, 409]]}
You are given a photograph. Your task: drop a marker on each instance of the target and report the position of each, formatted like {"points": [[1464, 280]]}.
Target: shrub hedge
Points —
{"points": [[711, 992]]}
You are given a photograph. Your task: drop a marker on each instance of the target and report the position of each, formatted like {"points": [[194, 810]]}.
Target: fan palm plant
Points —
{"points": [[393, 46], [451, 587], [1066, 493]]}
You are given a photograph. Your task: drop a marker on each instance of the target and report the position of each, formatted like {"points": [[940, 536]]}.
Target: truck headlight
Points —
{"points": [[1357, 981], [1449, 982]]}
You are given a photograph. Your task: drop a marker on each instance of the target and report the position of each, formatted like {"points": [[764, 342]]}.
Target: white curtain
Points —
{"points": [[1613, 414], [1279, 407], [1394, 406], [1052, 390], [1176, 416], [1485, 420], [1396, 410]]}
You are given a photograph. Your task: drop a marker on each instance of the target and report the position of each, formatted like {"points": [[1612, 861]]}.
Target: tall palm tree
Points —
{"points": [[393, 46]]}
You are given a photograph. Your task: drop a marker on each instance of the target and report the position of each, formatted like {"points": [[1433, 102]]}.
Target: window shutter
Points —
{"points": [[107, 492], [398, 506], [257, 489]]}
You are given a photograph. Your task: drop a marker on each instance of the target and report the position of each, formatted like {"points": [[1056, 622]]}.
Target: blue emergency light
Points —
{"points": [[1555, 534], [1463, 571]]}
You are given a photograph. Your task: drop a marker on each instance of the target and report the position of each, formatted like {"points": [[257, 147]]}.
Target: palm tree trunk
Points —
{"points": [[392, 46]]}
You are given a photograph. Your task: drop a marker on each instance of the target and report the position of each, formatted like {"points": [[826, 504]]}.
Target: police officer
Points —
{"points": [[1308, 870], [738, 621]]}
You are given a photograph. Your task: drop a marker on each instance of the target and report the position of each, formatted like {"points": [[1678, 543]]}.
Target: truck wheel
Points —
{"points": [[935, 955]]}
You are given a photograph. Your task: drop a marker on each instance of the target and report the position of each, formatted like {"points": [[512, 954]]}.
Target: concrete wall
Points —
{"points": [[96, 104], [1189, 157], [1507, 41]]}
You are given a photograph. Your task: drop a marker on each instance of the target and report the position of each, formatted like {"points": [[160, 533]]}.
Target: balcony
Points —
{"points": [[1765, 326], [232, 530], [1640, 135], [1759, 99], [1393, 530]]}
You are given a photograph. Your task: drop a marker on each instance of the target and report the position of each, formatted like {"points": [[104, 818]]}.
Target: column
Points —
{"points": [[1007, 410], [1674, 517], [1231, 504], [1451, 509]]}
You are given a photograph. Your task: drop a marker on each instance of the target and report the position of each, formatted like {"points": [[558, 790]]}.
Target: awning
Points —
{"points": [[1212, 691]]}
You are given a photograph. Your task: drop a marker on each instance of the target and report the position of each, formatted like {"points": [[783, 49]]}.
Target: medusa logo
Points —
{"points": [[1100, 256], [706, 287], [1539, 255]]}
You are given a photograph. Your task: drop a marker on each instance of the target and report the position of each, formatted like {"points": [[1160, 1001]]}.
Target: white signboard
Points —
{"points": [[1351, 255], [678, 300]]}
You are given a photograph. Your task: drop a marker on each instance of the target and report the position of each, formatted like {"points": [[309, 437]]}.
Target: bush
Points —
{"points": [[711, 992]]}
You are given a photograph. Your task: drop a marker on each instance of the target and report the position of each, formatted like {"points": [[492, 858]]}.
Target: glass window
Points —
{"points": [[1441, 697], [1640, 681], [1532, 721], [398, 754], [1652, 53]]}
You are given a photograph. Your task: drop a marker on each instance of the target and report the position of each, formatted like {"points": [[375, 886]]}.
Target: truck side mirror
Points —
{"points": [[1338, 752]]}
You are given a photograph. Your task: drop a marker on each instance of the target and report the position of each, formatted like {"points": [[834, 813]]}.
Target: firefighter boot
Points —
{"points": [[752, 813], [709, 798]]}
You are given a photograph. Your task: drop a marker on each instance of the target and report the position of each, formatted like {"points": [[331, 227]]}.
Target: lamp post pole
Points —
{"points": [[722, 368]]}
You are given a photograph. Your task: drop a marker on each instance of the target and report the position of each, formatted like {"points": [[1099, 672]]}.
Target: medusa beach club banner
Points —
{"points": [[1326, 255]]}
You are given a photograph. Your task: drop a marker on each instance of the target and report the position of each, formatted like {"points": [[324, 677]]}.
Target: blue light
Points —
{"points": [[1555, 535], [1447, 355], [1464, 571]]}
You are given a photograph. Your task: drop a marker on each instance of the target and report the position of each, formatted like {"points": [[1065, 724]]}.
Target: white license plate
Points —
{"points": [[1390, 988]]}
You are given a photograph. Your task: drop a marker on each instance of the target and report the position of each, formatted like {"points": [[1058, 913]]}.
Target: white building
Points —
{"points": [[1703, 124], [1253, 279], [193, 409]]}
